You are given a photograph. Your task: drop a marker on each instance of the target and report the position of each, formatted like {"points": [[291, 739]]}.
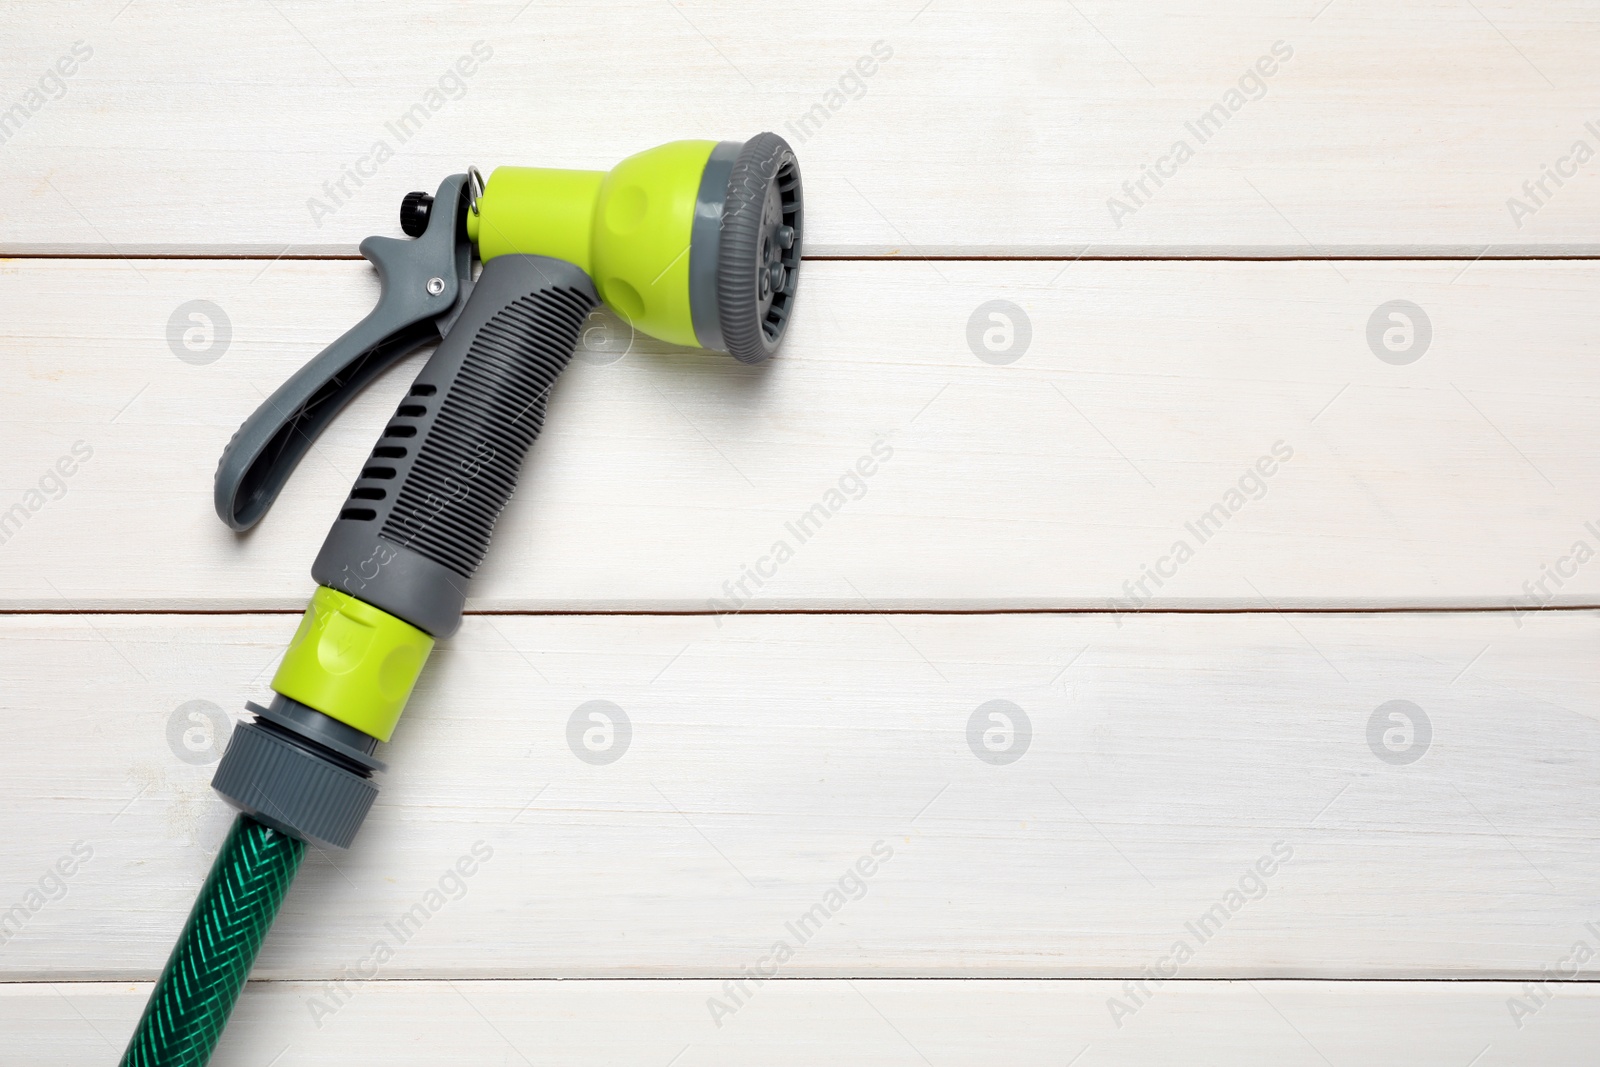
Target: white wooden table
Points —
{"points": [[1342, 747]]}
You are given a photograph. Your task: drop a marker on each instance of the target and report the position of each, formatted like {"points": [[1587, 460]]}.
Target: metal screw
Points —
{"points": [[435, 286]]}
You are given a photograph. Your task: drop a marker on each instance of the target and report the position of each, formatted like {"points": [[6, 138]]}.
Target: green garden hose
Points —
{"points": [[196, 991]]}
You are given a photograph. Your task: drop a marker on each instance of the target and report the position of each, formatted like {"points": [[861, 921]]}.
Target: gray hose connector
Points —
{"points": [[301, 772]]}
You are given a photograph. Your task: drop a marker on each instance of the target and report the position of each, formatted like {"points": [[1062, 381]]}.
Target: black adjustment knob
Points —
{"points": [[414, 210]]}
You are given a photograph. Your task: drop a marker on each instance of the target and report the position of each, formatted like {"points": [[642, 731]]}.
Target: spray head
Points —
{"points": [[694, 242]]}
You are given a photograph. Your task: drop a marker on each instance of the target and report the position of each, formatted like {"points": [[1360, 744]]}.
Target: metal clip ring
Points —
{"points": [[475, 187]]}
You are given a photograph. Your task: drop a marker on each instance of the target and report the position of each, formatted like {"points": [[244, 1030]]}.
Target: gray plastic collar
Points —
{"points": [[277, 778], [705, 245]]}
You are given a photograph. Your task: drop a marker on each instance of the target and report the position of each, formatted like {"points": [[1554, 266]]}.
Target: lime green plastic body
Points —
{"points": [[628, 228], [353, 662]]}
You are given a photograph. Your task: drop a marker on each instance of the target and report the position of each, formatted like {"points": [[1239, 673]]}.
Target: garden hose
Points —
{"points": [[206, 971], [694, 242]]}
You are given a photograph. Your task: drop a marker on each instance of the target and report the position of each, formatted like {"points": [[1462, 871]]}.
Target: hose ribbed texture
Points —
{"points": [[196, 992]]}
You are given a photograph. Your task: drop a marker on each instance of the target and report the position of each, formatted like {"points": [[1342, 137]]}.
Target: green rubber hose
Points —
{"points": [[196, 991]]}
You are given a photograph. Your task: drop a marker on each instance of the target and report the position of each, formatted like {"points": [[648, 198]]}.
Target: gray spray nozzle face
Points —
{"points": [[744, 255]]}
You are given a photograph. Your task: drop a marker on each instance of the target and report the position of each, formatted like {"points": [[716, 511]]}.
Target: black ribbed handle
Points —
{"points": [[419, 519]]}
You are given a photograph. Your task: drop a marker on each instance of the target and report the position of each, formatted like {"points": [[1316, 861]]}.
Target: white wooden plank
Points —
{"points": [[1167, 757], [1147, 393], [1393, 127], [1406, 1024]]}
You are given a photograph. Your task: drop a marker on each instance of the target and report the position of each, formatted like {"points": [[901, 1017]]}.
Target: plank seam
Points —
{"points": [[665, 613], [1575, 982], [1199, 257]]}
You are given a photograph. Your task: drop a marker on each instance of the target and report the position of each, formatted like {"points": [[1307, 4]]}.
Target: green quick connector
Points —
{"points": [[353, 662]]}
